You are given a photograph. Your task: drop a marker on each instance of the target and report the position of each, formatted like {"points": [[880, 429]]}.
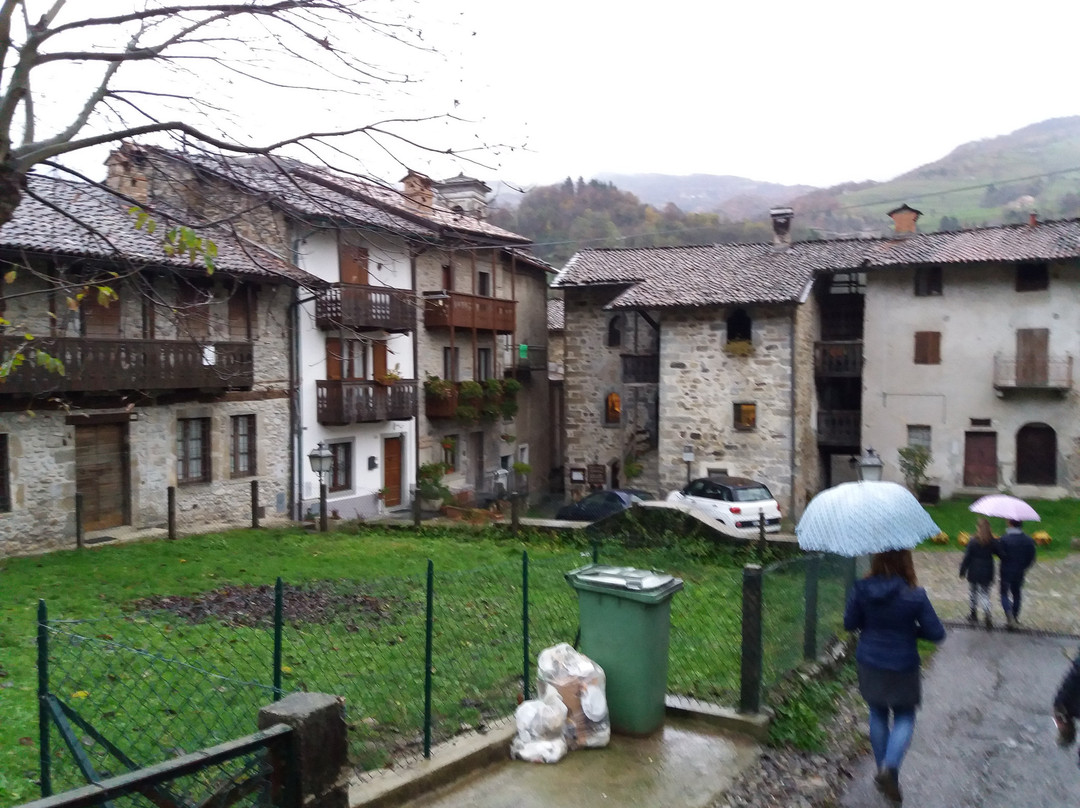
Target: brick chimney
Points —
{"points": [[1033, 219], [417, 189], [904, 219], [781, 225], [125, 173]]}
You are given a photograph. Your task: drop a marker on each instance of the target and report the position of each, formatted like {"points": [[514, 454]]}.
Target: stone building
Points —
{"points": [[165, 375], [418, 289], [783, 361]]}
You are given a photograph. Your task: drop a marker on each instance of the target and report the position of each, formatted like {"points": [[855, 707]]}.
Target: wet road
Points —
{"points": [[985, 737]]}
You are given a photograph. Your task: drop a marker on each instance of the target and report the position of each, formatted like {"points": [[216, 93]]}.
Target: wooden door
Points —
{"points": [[101, 474], [391, 471], [1036, 455], [353, 264], [980, 459], [1032, 352], [99, 320]]}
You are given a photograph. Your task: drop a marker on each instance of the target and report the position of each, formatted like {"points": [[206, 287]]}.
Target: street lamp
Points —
{"points": [[870, 466], [322, 463], [688, 458]]}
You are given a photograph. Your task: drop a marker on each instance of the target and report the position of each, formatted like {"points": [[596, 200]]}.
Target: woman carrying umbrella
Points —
{"points": [[891, 612], [978, 567]]}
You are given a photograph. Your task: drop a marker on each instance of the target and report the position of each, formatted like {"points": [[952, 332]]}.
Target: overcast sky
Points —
{"points": [[785, 91]]}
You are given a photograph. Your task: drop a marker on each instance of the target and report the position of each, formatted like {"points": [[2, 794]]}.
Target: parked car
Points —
{"points": [[736, 502], [599, 504]]}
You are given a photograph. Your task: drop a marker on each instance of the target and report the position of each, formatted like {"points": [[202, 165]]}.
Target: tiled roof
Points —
{"points": [[762, 273], [556, 314], [37, 227]]}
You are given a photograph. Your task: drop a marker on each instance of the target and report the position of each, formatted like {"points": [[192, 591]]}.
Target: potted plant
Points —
{"points": [[914, 460], [448, 443], [521, 469], [438, 389], [508, 408], [490, 411], [467, 413], [493, 389], [510, 387], [470, 391], [506, 437], [429, 483], [632, 467], [390, 376]]}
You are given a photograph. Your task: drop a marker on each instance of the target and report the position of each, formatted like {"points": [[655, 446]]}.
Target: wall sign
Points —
{"points": [[577, 475], [597, 474]]}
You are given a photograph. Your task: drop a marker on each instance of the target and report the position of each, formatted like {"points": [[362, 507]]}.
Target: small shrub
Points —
{"points": [[493, 389], [508, 408], [471, 391], [914, 460], [467, 413], [438, 389], [511, 387]]}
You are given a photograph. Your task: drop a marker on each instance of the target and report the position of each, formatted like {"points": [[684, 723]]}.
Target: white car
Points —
{"points": [[736, 502]]}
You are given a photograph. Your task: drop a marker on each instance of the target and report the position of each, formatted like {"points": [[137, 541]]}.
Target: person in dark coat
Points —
{"points": [[1017, 551], [891, 612], [978, 566], [1067, 704]]}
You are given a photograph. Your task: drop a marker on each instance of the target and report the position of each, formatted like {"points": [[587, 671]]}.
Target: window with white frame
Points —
{"points": [[242, 446]]}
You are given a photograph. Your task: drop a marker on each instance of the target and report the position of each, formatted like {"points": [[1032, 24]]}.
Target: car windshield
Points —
{"points": [[751, 494]]}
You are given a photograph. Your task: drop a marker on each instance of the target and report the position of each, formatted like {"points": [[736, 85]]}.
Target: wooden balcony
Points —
{"points": [[838, 427], [641, 369], [108, 365], [365, 308], [1036, 373], [347, 401], [840, 358], [456, 310], [442, 407]]}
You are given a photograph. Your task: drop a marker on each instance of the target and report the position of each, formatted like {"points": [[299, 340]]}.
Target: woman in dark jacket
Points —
{"points": [[978, 566], [891, 612]]}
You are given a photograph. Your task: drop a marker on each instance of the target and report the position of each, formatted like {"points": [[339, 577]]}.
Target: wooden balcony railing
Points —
{"points": [[441, 407], [641, 369], [347, 401], [1037, 373], [106, 365], [365, 308], [454, 309], [838, 427], [838, 358]]}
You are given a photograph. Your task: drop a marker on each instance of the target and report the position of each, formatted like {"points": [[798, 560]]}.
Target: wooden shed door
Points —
{"points": [[1032, 346], [101, 474], [980, 459], [1036, 455], [391, 471]]}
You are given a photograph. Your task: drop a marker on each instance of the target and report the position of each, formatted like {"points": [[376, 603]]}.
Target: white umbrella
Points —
{"points": [[1005, 507], [853, 519]]}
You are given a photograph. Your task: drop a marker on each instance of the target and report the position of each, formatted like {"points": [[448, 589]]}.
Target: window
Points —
{"points": [[100, 315], [352, 264], [918, 435], [927, 281], [193, 450], [1032, 276], [5, 476], [193, 310], [241, 314], [612, 409], [483, 364], [447, 277], [345, 359], [341, 470], [483, 284], [450, 452], [980, 422], [739, 327], [242, 449], [927, 347], [450, 361], [614, 331], [745, 416]]}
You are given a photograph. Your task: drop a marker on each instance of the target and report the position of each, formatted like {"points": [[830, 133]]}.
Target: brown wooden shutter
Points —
{"points": [[378, 359], [241, 314], [99, 320], [353, 264], [927, 347], [1032, 356], [333, 358]]}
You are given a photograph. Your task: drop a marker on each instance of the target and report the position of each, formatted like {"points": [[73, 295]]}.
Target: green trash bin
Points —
{"points": [[625, 617]]}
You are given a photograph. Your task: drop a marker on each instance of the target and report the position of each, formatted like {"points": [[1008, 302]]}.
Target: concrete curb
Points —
{"points": [[450, 761]]}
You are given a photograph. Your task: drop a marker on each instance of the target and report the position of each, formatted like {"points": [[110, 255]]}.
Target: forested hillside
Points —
{"points": [[564, 218]]}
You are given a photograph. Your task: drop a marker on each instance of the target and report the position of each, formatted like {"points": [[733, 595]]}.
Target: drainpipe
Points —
{"points": [[794, 420], [296, 409], [419, 382]]}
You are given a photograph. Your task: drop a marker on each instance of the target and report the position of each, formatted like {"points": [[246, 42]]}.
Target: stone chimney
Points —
{"points": [[904, 219], [781, 225], [417, 189], [126, 173], [464, 195]]}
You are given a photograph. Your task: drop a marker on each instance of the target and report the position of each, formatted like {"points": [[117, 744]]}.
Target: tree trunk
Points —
{"points": [[11, 191]]}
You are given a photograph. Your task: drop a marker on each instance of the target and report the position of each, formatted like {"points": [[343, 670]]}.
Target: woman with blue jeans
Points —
{"points": [[891, 612]]}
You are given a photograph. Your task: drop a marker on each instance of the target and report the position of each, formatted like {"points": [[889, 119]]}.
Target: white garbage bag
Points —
{"points": [[581, 685], [540, 730]]}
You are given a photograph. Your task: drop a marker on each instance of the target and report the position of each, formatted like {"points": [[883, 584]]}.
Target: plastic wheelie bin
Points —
{"points": [[625, 618]]}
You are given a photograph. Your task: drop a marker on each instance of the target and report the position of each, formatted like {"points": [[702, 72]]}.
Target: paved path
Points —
{"points": [[985, 737]]}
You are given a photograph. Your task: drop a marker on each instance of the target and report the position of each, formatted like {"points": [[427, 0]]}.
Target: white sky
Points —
{"points": [[791, 92]]}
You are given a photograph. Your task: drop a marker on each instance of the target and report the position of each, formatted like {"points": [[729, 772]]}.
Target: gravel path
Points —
{"points": [[800, 780]]}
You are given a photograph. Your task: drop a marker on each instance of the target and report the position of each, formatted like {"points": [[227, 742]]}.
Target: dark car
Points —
{"points": [[599, 504]]}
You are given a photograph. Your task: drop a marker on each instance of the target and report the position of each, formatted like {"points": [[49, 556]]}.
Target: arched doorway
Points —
{"points": [[1036, 455]]}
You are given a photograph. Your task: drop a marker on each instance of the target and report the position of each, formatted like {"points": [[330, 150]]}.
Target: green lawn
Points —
{"points": [[160, 682], [1060, 518]]}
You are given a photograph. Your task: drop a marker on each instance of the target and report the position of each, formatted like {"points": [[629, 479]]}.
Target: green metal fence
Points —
{"points": [[417, 659]]}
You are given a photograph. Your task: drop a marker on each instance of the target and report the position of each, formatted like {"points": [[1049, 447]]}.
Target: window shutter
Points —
{"points": [[378, 359], [927, 347], [333, 358], [353, 264], [241, 319]]}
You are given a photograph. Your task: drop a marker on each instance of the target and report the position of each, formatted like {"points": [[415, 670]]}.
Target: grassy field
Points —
{"points": [[1060, 518], [185, 675]]}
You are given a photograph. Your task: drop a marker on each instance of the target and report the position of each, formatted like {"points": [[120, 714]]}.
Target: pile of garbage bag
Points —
{"points": [[570, 711]]}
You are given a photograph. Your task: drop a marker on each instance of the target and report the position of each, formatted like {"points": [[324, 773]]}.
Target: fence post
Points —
{"points": [[78, 519], [255, 503], [44, 753], [762, 542], [810, 618], [525, 622], [172, 511], [415, 505], [279, 622], [428, 627], [750, 673], [515, 512], [596, 551]]}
